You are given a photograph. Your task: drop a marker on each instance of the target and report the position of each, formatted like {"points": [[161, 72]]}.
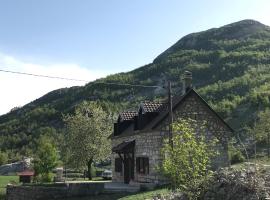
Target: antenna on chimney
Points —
{"points": [[187, 82]]}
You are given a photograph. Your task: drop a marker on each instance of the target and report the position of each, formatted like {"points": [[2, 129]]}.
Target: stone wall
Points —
{"points": [[55, 191], [146, 145], [194, 108]]}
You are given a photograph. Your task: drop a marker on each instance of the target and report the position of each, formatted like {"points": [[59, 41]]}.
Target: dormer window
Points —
{"points": [[147, 112], [125, 119]]}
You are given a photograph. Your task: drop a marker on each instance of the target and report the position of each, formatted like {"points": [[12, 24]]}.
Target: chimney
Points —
{"points": [[187, 81]]}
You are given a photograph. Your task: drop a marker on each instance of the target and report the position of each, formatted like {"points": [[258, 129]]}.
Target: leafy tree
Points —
{"points": [[186, 163], [3, 158], [261, 128], [45, 159], [87, 134]]}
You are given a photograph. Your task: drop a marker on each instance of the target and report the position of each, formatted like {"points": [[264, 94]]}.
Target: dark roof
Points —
{"points": [[128, 115], [149, 106], [26, 173], [123, 147], [163, 112]]}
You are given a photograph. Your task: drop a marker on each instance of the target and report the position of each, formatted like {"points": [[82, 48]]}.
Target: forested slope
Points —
{"points": [[230, 66]]}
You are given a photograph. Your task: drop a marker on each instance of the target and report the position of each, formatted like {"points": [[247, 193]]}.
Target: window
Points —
{"points": [[142, 165], [118, 165]]}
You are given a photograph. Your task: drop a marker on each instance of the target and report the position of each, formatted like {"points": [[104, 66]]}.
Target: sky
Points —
{"points": [[89, 39]]}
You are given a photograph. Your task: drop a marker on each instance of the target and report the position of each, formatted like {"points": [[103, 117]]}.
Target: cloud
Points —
{"points": [[18, 90]]}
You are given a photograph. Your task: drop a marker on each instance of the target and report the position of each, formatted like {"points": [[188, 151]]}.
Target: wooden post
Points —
{"points": [[268, 143], [170, 113]]}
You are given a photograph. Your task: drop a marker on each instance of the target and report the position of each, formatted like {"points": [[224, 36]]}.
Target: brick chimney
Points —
{"points": [[187, 81]]}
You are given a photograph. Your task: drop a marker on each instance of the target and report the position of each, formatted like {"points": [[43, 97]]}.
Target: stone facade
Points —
{"points": [[194, 107], [53, 191], [148, 143]]}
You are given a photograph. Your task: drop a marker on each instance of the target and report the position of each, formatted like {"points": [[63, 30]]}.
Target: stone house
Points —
{"points": [[138, 135]]}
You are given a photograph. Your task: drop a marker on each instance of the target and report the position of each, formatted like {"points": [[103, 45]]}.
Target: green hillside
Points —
{"points": [[230, 67]]}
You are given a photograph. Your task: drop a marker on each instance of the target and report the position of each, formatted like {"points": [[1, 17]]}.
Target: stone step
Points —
{"points": [[120, 187], [109, 191]]}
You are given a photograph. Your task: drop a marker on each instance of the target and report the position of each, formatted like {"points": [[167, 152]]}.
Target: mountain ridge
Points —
{"points": [[248, 23], [230, 68]]}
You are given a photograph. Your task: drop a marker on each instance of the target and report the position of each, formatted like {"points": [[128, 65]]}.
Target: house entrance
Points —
{"points": [[128, 167], [125, 150]]}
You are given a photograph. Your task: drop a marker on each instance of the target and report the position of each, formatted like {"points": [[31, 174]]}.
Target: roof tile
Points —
{"points": [[153, 106], [128, 115]]}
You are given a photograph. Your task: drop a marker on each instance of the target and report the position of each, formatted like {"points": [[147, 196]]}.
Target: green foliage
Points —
{"points": [[87, 134], [261, 128], [44, 178], [230, 66], [3, 158], [45, 159], [236, 155], [4, 180], [186, 163]]}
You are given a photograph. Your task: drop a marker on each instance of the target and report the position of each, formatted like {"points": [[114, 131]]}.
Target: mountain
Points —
{"points": [[230, 67]]}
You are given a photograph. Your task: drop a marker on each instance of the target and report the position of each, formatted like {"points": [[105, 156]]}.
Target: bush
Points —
{"points": [[44, 178], [47, 177], [188, 158], [75, 175], [3, 158], [236, 156], [45, 159]]}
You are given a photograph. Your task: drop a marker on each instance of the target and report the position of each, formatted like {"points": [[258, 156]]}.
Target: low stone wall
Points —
{"points": [[54, 191]]}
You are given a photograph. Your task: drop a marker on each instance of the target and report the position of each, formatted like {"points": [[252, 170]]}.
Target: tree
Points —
{"points": [[187, 162], [3, 158], [87, 134], [45, 159], [261, 128]]}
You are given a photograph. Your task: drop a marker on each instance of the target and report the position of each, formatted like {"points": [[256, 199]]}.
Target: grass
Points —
{"points": [[86, 179], [146, 195], [259, 160], [4, 180], [126, 196]]}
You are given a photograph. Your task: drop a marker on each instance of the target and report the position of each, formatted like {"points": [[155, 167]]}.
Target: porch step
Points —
{"points": [[114, 187]]}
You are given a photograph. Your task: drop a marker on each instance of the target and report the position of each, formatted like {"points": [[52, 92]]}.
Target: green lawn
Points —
{"points": [[260, 161], [4, 180], [126, 196]]}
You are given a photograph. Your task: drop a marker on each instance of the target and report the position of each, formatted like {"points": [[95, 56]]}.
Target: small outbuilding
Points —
{"points": [[26, 176]]}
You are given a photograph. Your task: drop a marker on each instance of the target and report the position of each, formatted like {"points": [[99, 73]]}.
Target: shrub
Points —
{"points": [[44, 178], [186, 163], [45, 159], [75, 175], [236, 156], [47, 177], [3, 158]]}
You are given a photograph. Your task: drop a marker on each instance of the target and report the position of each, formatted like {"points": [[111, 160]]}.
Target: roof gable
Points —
{"points": [[162, 110], [178, 100]]}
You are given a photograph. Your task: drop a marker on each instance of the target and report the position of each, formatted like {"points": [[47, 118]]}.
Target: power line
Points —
{"points": [[43, 76], [73, 79], [127, 84]]}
